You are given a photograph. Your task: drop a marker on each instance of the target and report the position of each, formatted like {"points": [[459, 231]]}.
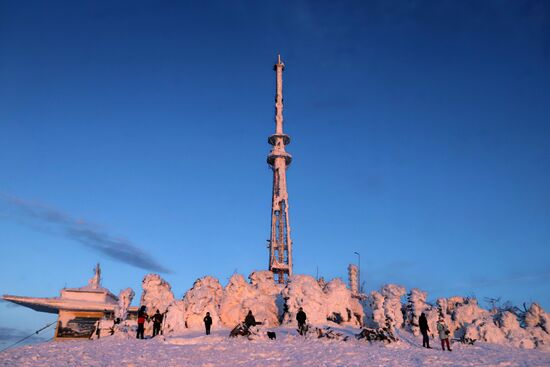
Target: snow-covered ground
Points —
{"points": [[195, 349]]}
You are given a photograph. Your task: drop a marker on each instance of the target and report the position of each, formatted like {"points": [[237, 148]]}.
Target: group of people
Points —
{"points": [[142, 317], [250, 321], [442, 330], [301, 317]]}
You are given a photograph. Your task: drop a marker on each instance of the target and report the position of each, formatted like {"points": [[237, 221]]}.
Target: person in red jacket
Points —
{"points": [[142, 317]]}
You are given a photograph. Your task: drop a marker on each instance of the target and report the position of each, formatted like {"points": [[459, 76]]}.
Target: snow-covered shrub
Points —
{"points": [[380, 334], [304, 291], [392, 304], [464, 312], [511, 328], [205, 296], [125, 298]]}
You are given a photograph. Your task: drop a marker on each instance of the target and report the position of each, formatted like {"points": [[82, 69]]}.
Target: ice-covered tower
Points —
{"points": [[280, 244]]}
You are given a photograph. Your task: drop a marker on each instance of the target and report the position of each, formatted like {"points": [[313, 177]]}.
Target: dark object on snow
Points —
{"points": [[336, 317], [250, 320], [301, 318], [303, 329], [272, 335], [424, 328], [207, 323], [380, 334], [157, 321], [328, 333], [465, 340], [423, 322], [242, 330], [142, 316]]}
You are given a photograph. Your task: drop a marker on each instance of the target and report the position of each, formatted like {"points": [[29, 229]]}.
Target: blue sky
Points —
{"points": [[420, 139]]}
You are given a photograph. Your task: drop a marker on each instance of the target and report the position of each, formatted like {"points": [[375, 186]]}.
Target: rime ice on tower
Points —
{"points": [[280, 244], [353, 279]]}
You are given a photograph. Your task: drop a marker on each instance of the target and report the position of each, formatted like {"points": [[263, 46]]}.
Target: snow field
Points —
{"points": [[192, 349]]}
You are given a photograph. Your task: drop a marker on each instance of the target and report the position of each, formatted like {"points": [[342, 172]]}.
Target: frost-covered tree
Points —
{"points": [[416, 304], [174, 319], [232, 309], [376, 304], [157, 293], [341, 306], [392, 303], [304, 291], [537, 317], [205, 296], [258, 296], [266, 292], [517, 336], [125, 298]]}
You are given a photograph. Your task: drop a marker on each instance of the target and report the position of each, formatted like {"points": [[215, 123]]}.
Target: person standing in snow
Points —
{"points": [[301, 318], [249, 320], [444, 333], [207, 323], [157, 321], [142, 316], [424, 328]]}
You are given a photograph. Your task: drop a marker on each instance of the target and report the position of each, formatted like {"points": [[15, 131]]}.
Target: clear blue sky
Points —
{"points": [[421, 139]]}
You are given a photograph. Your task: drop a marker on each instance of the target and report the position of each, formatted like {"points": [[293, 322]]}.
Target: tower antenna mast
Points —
{"points": [[280, 243]]}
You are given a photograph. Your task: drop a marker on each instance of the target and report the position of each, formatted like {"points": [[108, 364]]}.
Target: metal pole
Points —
{"points": [[359, 275]]}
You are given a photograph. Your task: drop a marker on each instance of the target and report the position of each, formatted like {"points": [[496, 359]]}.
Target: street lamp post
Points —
{"points": [[359, 275]]}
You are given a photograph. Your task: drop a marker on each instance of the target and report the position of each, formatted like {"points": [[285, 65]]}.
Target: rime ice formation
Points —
{"points": [[205, 296], [341, 307], [234, 304], [378, 315], [280, 243], [174, 319], [536, 317], [157, 294], [125, 298], [334, 302], [392, 304], [267, 292], [353, 276], [416, 304], [304, 291]]}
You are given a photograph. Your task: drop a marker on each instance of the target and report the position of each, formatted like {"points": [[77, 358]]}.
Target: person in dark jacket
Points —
{"points": [[301, 318], [207, 323], [249, 320], [424, 328], [142, 316], [157, 321]]}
